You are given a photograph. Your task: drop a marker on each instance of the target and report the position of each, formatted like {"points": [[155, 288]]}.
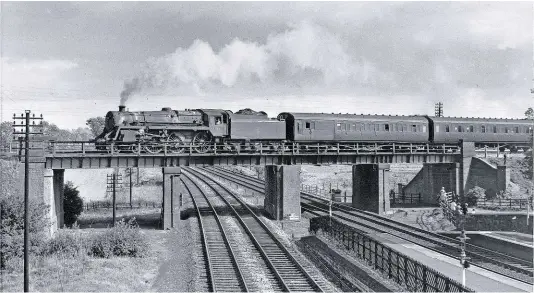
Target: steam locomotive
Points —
{"points": [[201, 128]]}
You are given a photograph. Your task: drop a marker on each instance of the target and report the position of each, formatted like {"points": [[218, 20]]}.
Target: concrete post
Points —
{"points": [[59, 188], [170, 190], [49, 199], [370, 183], [503, 177], [282, 192]]}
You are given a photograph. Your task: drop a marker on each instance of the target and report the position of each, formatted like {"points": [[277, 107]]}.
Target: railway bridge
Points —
{"points": [[370, 163]]}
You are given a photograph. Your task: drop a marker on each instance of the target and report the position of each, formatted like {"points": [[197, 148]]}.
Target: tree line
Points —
{"points": [[94, 126]]}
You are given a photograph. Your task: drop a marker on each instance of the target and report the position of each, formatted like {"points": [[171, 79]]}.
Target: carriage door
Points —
{"points": [[308, 128]]}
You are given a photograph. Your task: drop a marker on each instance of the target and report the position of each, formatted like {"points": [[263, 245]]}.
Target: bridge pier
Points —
{"points": [[370, 187], [282, 192], [171, 188], [59, 193]]}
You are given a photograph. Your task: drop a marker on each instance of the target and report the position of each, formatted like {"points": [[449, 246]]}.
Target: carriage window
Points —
{"points": [[460, 128], [506, 130], [308, 126], [483, 129], [313, 125], [424, 128], [494, 129], [299, 129], [377, 127], [386, 127], [338, 126], [530, 129], [447, 128], [470, 128], [414, 128], [354, 127], [516, 130]]}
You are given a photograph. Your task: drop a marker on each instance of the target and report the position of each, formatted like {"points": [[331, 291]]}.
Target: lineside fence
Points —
{"points": [[512, 203], [337, 194], [405, 198], [94, 205], [405, 271]]}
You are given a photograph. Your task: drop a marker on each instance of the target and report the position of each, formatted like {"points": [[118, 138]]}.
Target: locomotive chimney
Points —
{"points": [[121, 108]]}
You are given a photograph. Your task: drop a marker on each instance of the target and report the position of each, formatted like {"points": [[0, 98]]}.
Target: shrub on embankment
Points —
{"points": [[125, 239], [12, 217]]}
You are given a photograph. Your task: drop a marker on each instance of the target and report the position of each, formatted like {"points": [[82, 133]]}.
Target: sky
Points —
{"points": [[74, 60]]}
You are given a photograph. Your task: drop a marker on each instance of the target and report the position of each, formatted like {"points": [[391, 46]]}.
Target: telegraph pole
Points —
{"points": [[438, 109], [131, 170], [114, 178], [27, 133]]}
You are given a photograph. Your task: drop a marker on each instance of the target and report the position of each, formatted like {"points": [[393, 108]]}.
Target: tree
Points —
{"points": [[474, 194], [72, 204], [529, 113], [96, 124]]}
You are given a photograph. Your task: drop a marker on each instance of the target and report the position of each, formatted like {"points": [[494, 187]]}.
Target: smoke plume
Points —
{"points": [[306, 54]]}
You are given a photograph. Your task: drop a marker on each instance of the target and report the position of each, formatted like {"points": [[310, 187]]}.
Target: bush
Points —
{"points": [[72, 204], [67, 242], [124, 239], [474, 194], [12, 218]]}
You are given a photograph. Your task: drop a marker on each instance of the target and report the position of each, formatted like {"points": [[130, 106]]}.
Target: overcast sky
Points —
{"points": [[72, 60]]}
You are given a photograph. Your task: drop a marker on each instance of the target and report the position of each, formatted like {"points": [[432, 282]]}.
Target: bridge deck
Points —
{"points": [[86, 155]]}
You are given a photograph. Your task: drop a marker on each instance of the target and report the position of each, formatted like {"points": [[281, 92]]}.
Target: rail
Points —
{"points": [[402, 269], [285, 272], [218, 258]]}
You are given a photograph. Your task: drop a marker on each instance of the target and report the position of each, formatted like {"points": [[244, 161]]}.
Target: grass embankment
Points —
{"points": [[87, 259], [520, 184]]}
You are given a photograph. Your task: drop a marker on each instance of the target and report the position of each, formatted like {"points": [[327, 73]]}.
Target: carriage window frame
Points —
{"points": [[506, 130], [516, 129], [447, 128], [483, 128], [495, 130], [414, 128], [386, 127], [460, 128], [338, 126], [307, 125]]}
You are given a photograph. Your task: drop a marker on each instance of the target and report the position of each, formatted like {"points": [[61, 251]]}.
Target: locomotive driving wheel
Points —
{"points": [[154, 148], [176, 143], [201, 142]]}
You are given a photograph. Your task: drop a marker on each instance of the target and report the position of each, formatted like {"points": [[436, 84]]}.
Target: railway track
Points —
{"points": [[503, 264], [225, 267]]}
